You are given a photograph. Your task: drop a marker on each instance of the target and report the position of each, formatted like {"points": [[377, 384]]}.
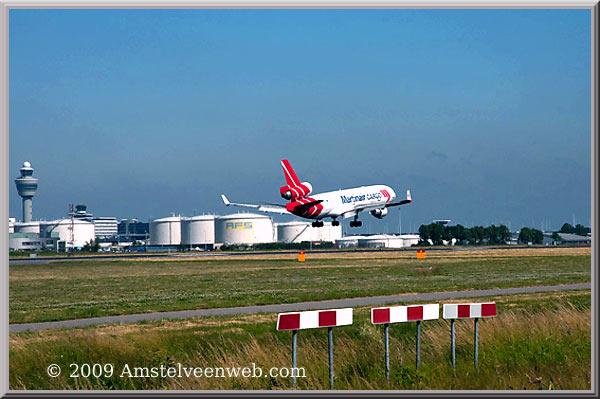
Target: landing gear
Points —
{"points": [[355, 222], [335, 223], [318, 223]]}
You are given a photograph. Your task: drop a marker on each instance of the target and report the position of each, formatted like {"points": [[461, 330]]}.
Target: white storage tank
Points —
{"points": [[198, 230], [165, 231], [11, 225], [243, 228], [29, 227], [328, 232], [296, 231], [83, 232]]}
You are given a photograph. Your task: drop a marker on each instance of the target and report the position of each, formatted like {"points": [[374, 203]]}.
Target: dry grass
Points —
{"points": [[71, 290], [454, 252], [542, 342]]}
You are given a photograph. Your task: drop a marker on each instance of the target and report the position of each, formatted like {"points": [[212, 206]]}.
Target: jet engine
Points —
{"points": [[379, 213], [293, 193]]}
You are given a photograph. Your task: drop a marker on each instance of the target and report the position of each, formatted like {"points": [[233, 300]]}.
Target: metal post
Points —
{"points": [[476, 346], [452, 346], [387, 352], [400, 221], [294, 332], [331, 357], [418, 343]]}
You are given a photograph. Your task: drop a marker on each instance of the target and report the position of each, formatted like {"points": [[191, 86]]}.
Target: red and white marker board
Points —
{"points": [[314, 319], [399, 314], [469, 310]]}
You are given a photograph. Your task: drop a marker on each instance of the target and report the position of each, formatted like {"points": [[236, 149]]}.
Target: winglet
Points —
{"points": [[408, 197], [225, 200]]}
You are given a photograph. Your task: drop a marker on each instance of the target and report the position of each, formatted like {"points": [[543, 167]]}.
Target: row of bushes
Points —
{"points": [[437, 234], [578, 229], [478, 235]]}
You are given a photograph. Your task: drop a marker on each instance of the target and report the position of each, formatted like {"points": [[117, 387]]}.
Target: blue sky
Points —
{"points": [[483, 114]]}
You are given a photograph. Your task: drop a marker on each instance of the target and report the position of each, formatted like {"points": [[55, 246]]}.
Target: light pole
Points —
{"points": [[400, 220]]}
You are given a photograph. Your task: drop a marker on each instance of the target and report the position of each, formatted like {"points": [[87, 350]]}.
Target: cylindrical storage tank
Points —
{"points": [[165, 231], [11, 225], [243, 228], [29, 227], [328, 232], [83, 231], [295, 231], [198, 230]]}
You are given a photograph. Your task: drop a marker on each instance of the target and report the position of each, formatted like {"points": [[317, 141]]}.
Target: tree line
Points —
{"points": [[492, 235], [476, 235], [579, 229]]}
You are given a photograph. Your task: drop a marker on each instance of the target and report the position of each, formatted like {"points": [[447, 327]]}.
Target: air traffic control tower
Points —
{"points": [[27, 186]]}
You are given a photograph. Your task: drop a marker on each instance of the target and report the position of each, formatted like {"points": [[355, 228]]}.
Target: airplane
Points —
{"points": [[346, 203]]}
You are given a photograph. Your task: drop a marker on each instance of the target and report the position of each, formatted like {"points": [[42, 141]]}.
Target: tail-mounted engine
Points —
{"points": [[295, 192], [379, 213]]}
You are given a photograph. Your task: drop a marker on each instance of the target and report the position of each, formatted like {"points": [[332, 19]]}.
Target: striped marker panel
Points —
{"points": [[469, 310], [399, 314], [314, 319]]}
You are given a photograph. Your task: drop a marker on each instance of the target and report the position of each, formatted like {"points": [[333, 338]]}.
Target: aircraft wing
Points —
{"points": [[350, 214], [267, 208], [369, 208], [408, 200]]}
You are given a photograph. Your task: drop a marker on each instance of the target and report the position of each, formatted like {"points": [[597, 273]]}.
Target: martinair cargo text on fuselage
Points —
{"points": [[342, 203]]}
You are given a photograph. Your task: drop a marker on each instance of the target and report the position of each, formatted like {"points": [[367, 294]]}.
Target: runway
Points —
{"points": [[290, 307]]}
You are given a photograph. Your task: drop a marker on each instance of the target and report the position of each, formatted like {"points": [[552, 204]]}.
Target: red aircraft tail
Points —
{"points": [[294, 189], [290, 177]]}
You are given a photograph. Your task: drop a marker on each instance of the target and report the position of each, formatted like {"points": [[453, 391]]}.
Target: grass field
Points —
{"points": [[537, 341], [80, 289]]}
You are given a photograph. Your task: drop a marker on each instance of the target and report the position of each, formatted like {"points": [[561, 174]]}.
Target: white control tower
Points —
{"points": [[27, 186]]}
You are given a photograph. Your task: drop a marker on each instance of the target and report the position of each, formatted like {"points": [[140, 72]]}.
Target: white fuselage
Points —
{"points": [[347, 201]]}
